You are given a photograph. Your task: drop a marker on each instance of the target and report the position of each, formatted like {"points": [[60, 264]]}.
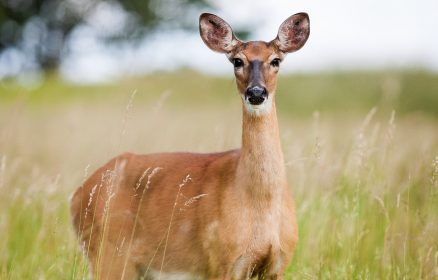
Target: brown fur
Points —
{"points": [[226, 215]]}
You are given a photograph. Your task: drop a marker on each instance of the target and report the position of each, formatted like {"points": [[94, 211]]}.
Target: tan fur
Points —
{"points": [[257, 51], [226, 215]]}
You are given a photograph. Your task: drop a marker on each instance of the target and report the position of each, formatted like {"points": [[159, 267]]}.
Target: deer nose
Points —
{"points": [[256, 95]]}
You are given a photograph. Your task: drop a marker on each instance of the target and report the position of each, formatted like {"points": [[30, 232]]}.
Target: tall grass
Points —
{"points": [[365, 182], [368, 209]]}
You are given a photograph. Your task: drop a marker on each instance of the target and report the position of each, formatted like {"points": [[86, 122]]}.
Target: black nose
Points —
{"points": [[256, 95]]}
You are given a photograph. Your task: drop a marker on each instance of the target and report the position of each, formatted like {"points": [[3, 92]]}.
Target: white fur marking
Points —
{"points": [[211, 233], [258, 110], [155, 274]]}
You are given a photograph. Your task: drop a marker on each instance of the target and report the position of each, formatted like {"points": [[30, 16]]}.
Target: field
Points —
{"points": [[361, 152]]}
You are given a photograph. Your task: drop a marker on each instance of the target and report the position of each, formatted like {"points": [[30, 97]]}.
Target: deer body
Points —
{"points": [[200, 216]]}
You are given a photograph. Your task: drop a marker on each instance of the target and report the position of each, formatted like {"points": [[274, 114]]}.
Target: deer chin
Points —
{"points": [[260, 109]]}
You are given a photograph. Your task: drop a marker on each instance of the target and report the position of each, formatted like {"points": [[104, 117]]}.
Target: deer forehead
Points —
{"points": [[257, 50]]}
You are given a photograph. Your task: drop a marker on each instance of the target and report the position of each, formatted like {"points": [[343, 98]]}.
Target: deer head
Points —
{"points": [[256, 63]]}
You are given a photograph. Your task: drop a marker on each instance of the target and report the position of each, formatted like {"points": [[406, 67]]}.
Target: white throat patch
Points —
{"points": [[258, 110]]}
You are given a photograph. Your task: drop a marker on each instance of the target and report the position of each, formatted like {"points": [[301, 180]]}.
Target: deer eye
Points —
{"points": [[237, 62], [275, 62]]}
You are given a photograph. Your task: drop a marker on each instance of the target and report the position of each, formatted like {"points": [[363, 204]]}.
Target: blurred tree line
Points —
{"points": [[41, 28]]}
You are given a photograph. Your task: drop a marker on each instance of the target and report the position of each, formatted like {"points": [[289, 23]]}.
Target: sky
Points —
{"points": [[345, 35]]}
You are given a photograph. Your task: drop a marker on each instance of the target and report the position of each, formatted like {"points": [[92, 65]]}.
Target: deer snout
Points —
{"points": [[256, 95]]}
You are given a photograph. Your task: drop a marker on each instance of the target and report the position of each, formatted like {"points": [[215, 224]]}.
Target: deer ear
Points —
{"points": [[216, 33], [293, 33]]}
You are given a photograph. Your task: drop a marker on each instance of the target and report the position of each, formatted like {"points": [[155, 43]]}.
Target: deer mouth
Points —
{"points": [[257, 106], [256, 100]]}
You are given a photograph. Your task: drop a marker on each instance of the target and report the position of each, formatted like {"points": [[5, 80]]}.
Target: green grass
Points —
{"points": [[366, 187]]}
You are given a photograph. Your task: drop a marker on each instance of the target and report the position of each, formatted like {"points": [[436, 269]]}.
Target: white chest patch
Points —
{"points": [[210, 235], [155, 275]]}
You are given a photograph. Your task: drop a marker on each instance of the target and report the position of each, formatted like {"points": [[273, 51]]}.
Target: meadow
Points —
{"points": [[361, 151]]}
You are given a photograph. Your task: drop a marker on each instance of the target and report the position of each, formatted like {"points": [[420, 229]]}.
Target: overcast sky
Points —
{"points": [[367, 34]]}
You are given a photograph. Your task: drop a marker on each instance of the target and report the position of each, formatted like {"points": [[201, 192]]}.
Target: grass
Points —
{"points": [[365, 180]]}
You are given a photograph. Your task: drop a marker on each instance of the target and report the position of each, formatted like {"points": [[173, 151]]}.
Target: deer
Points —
{"points": [[226, 215]]}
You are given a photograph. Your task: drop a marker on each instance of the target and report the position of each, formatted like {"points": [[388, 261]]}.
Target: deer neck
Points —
{"points": [[261, 168]]}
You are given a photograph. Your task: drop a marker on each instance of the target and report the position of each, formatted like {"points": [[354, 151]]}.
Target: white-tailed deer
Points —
{"points": [[225, 215]]}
